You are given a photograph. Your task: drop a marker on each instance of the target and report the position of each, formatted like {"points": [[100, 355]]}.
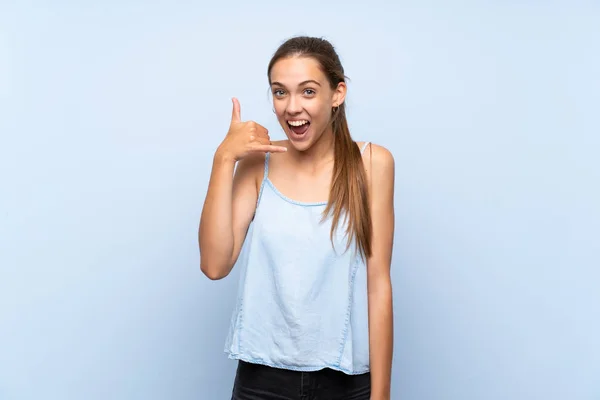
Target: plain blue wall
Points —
{"points": [[110, 113]]}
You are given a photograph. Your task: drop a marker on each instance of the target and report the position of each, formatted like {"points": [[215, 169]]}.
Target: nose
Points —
{"points": [[293, 106]]}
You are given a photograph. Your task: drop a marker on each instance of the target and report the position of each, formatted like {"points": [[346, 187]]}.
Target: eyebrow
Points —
{"points": [[301, 83]]}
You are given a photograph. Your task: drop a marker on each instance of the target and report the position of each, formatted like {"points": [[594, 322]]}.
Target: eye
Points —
{"points": [[309, 92], [278, 92]]}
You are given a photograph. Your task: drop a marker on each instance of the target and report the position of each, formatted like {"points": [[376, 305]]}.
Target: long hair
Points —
{"points": [[349, 195]]}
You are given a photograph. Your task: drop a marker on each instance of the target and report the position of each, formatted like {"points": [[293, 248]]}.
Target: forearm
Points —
{"points": [[215, 235], [381, 336]]}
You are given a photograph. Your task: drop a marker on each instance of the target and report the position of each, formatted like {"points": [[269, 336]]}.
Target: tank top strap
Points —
{"points": [[266, 174], [364, 147], [265, 177]]}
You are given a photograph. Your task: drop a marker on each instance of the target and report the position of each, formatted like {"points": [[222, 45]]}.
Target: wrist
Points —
{"points": [[380, 393], [223, 158]]}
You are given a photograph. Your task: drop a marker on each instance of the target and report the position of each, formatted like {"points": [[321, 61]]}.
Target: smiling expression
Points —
{"points": [[303, 99]]}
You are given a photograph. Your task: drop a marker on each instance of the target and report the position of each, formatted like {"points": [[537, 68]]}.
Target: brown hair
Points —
{"points": [[349, 192]]}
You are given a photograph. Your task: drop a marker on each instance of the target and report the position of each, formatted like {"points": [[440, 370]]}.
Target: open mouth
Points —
{"points": [[299, 127]]}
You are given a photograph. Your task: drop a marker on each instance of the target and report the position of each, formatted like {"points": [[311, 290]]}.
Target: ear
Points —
{"points": [[339, 95]]}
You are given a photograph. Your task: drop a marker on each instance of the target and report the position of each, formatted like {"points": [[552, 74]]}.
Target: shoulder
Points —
{"points": [[252, 162], [278, 158], [378, 160], [255, 163], [380, 171], [251, 168]]}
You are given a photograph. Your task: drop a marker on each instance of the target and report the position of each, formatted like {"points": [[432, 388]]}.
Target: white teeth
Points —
{"points": [[297, 123]]}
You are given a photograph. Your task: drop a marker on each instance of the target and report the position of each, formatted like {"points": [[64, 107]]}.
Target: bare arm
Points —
{"points": [[231, 198], [228, 209], [381, 332]]}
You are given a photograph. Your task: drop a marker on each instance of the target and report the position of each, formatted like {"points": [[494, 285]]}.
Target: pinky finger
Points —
{"points": [[269, 148]]}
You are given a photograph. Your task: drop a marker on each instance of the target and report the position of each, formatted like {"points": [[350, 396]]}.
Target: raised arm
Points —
{"points": [[231, 198]]}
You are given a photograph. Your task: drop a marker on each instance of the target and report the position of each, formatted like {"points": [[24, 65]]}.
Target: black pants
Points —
{"points": [[259, 382]]}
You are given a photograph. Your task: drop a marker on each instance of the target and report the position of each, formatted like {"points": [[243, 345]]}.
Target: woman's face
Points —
{"points": [[303, 99]]}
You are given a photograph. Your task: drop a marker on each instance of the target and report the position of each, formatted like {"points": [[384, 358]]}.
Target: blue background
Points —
{"points": [[109, 116]]}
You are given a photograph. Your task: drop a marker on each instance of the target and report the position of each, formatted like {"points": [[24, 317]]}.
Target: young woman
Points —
{"points": [[310, 223]]}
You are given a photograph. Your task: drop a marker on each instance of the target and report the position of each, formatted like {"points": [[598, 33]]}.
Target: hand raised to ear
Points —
{"points": [[244, 138]]}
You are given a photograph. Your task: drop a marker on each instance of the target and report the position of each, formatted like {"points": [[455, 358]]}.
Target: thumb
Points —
{"points": [[235, 114]]}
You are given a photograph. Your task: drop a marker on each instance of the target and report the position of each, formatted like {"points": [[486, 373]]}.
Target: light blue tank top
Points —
{"points": [[302, 303]]}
